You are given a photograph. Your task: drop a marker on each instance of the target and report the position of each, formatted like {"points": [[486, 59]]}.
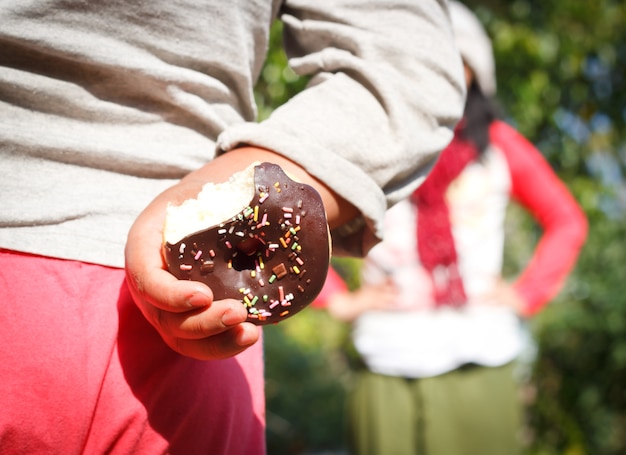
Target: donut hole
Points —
{"points": [[247, 250]]}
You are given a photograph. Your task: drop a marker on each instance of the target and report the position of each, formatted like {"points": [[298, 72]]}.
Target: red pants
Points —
{"points": [[82, 371]]}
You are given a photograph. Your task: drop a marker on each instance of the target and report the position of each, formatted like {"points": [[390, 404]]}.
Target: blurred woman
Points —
{"points": [[436, 326]]}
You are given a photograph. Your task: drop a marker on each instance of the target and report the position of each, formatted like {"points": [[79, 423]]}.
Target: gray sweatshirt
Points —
{"points": [[105, 104]]}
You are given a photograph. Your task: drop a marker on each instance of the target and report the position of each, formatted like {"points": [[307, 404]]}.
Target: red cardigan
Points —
{"points": [[536, 187]]}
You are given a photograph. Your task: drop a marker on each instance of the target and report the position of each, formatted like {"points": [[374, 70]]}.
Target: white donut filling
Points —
{"points": [[216, 202]]}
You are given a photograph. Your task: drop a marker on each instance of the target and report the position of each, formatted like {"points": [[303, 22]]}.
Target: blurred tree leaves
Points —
{"points": [[278, 82], [561, 68], [580, 371]]}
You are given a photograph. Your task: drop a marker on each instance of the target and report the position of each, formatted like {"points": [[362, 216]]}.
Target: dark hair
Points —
{"points": [[480, 112]]}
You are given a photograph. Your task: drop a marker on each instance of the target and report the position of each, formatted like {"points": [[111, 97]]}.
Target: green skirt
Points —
{"points": [[470, 411]]}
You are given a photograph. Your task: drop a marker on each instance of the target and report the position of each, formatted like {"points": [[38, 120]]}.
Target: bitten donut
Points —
{"points": [[272, 254]]}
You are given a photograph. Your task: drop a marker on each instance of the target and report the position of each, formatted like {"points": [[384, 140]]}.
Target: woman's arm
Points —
{"points": [[543, 194]]}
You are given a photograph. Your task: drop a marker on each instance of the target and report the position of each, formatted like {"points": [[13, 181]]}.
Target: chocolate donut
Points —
{"points": [[273, 255]]}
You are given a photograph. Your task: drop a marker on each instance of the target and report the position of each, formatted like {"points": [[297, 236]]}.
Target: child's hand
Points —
{"points": [[183, 312]]}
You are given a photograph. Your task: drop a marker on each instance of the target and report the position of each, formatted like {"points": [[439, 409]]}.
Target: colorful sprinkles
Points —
{"points": [[288, 241], [261, 234]]}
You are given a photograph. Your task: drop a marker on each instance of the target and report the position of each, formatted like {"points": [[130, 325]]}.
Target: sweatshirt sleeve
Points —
{"points": [[536, 187], [385, 92]]}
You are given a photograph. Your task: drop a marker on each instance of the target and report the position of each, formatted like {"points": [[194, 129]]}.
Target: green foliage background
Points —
{"points": [[561, 67]]}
